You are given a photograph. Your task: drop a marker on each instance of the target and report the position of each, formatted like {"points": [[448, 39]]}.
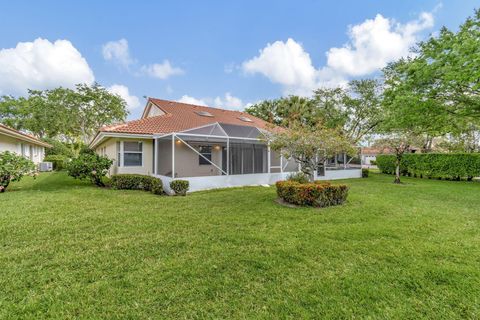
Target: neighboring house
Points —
{"points": [[22, 144], [210, 147], [369, 154]]}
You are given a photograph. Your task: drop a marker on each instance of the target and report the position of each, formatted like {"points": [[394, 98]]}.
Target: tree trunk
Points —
{"points": [[397, 172]]}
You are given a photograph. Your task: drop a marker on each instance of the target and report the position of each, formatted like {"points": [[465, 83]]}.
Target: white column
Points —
{"points": [[228, 156], [269, 164], [155, 157], [173, 155], [344, 160]]}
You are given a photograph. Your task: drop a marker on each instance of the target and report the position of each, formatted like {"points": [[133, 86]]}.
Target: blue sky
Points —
{"points": [[220, 53]]}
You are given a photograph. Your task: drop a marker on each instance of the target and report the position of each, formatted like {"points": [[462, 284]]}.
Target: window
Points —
{"points": [[204, 113], [132, 153], [205, 151]]}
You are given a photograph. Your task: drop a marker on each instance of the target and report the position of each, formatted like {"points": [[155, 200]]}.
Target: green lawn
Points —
{"points": [[70, 250]]}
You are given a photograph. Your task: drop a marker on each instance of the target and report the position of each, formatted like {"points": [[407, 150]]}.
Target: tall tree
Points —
{"points": [[73, 115]]}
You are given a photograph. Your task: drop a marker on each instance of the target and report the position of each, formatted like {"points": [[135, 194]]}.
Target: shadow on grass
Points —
{"points": [[51, 181]]}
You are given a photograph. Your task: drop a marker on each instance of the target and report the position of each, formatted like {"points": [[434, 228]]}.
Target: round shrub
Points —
{"points": [[180, 187], [59, 161], [318, 194], [12, 168], [90, 166], [136, 182], [365, 172]]}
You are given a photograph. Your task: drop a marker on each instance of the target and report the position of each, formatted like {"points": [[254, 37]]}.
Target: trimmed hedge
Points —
{"points": [[136, 182], [434, 165], [317, 194], [365, 172], [58, 161], [180, 187]]}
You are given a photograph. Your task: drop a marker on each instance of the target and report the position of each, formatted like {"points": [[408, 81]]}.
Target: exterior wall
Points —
{"points": [[366, 158], [186, 161], [33, 152], [109, 148], [206, 183]]}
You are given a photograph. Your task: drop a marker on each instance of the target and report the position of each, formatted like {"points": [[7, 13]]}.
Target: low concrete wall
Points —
{"points": [[214, 182], [341, 174]]}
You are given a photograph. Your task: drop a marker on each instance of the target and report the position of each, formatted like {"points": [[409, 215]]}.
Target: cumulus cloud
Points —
{"points": [[162, 70], [376, 42], [132, 101], [227, 101], [117, 52], [372, 45], [192, 100], [42, 64]]}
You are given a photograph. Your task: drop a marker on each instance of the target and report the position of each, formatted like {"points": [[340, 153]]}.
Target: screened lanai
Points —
{"points": [[217, 149]]}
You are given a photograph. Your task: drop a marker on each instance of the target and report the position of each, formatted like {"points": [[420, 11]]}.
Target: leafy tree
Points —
{"points": [[356, 109], [71, 115], [89, 166], [310, 147], [12, 168], [285, 111], [437, 90]]}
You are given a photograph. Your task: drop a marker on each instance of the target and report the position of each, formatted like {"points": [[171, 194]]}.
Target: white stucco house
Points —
{"points": [[23, 144], [210, 147]]}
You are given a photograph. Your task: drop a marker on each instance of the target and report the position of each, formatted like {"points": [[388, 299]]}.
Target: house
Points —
{"points": [[369, 154], [210, 147], [21, 143]]}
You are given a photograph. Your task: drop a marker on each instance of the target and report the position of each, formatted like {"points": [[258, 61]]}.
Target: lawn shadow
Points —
{"points": [[52, 181]]}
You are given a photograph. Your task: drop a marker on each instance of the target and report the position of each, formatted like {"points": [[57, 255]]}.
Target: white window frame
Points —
{"points": [[122, 153]]}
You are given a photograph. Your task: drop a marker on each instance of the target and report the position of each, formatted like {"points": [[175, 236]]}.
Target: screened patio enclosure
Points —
{"points": [[217, 150]]}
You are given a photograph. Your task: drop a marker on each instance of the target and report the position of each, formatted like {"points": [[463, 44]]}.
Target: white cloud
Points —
{"points": [[162, 70], [227, 101], [117, 52], [285, 63], [372, 45], [192, 100], [42, 64], [376, 42], [132, 101]]}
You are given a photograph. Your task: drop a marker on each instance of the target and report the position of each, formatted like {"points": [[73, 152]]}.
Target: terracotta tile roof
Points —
{"points": [[182, 116], [22, 136]]}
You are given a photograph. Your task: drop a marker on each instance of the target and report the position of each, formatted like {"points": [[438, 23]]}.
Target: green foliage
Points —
{"points": [[438, 90], [434, 165], [365, 172], [310, 146], [90, 166], [136, 182], [317, 194], [59, 161], [299, 177], [180, 187], [59, 148], [12, 168], [62, 112]]}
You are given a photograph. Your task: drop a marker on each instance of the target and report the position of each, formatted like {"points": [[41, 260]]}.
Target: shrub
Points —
{"points": [[434, 165], [299, 177], [365, 172], [137, 182], [59, 161], [317, 194], [90, 166], [180, 187], [373, 162], [12, 168]]}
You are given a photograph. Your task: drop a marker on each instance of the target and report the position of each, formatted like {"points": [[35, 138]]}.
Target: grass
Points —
{"points": [[70, 250]]}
